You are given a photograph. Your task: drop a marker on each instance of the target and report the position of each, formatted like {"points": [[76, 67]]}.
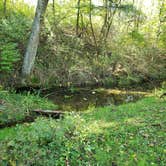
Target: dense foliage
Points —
{"points": [[111, 42], [14, 29], [82, 42]]}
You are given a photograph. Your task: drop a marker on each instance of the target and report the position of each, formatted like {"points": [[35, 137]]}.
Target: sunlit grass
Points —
{"points": [[130, 92], [128, 134]]}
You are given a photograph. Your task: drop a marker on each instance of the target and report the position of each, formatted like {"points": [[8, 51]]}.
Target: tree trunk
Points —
{"points": [[91, 24], [4, 7], [78, 17], [33, 42]]}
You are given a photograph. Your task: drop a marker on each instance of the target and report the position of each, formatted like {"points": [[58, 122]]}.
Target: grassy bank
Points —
{"points": [[15, 107], [130, 134]]}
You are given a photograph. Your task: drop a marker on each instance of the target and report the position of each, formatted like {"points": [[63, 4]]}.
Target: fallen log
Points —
{"points": [[50, 113], [12, 123], [31, 118]]}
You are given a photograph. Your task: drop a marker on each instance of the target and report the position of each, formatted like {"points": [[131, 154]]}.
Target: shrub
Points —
{"points": [[8, 56], [13, 34]]}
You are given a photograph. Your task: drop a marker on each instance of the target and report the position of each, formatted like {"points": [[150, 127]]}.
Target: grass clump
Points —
{"points": [[130, 134], [15, 107]]}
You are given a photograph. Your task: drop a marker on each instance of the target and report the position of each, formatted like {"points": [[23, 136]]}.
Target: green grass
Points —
{"points": [[10, 132], [15, 107], [129, 134]]}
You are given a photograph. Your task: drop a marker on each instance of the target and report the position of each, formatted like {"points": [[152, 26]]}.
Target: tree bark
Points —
{"points": [[4, 6], [91, 24], [33, 42], [78, 17]]}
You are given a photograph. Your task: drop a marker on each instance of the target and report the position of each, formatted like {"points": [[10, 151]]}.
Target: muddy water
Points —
{"points": [[82, 99]]}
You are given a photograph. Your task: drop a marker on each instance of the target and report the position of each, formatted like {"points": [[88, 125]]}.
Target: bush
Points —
{"points": [[13, 34], [8, 56]]}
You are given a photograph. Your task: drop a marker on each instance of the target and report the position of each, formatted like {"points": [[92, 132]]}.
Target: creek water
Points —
{"points": [[82, 99]]}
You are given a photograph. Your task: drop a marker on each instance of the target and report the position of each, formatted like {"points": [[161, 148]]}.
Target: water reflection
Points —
{"points": [[83, 99]]}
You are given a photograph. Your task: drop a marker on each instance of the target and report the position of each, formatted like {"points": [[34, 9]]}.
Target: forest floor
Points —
{"points": [[128, 134]]}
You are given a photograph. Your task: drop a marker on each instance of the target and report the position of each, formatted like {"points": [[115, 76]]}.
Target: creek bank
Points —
{"points": [[17, 108]]}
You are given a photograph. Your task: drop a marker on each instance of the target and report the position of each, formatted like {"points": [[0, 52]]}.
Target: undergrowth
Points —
{"points": [[130, 134], [15, 107]]}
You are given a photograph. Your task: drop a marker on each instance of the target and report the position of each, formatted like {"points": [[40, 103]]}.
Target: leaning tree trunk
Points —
{"points": [[33, 42]]}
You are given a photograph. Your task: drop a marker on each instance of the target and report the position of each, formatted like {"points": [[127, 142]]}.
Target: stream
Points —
{"points": [[82, 99]]}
